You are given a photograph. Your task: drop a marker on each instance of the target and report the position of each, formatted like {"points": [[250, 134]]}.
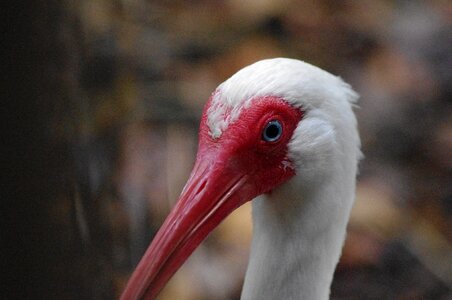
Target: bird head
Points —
{"points": [[271, 122]]}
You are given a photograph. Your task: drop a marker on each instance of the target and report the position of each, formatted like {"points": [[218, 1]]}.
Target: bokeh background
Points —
{"points": [[101, 110]]}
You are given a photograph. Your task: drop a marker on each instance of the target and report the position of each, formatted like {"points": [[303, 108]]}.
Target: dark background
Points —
{"points": [[100, 112]]}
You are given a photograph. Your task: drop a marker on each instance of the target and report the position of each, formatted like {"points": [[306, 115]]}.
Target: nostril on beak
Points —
{"points": [[201, 187]]}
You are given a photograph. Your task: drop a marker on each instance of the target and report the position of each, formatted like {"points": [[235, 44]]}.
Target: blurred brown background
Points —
{"points": [[101, 111]]}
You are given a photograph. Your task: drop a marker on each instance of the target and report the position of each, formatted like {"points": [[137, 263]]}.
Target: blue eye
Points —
{"points": [[272, 132]]}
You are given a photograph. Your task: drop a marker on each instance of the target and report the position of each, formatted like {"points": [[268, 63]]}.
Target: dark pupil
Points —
{"points": [[272, 131]]}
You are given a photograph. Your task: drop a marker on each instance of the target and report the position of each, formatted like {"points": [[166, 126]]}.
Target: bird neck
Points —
{"points": [[297, 240]]}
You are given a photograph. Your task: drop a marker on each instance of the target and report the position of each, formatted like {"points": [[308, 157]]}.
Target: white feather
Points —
{"points": [[299, 228], [293, 80]]}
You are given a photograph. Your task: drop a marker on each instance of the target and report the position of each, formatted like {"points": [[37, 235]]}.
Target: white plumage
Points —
{"points": [[299, 229]]}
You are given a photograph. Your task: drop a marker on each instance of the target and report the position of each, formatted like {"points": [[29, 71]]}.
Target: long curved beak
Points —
{"points": [[212, 192]]}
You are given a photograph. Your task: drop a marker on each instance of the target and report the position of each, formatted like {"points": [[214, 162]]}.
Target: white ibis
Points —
{"points": [[283, 130]]}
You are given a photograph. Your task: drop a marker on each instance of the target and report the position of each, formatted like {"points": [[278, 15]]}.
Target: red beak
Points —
{"points": [[214, 189]]}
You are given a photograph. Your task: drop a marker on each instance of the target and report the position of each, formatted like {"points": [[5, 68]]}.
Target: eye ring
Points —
{"points": [[272, 131]]}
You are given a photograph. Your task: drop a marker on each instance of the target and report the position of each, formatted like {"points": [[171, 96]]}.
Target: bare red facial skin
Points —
{"points": [[229, 171], [242, 146]]}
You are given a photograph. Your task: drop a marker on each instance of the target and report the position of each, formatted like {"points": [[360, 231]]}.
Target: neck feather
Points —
{"points": [[298, 235]]}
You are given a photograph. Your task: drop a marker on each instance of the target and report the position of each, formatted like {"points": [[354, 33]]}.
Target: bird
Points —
{"points": [[282, 133]]}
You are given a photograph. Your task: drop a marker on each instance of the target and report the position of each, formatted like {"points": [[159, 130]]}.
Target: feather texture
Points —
{"points": [[298, 229]]}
